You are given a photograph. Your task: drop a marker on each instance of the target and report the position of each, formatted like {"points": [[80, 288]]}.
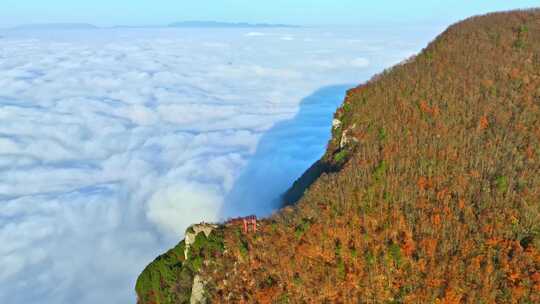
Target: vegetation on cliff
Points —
{"points": [[433, 191], [170, 277]]}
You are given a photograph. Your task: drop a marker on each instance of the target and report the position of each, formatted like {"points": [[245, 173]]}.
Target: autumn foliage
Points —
{"points": [[438, 200]]}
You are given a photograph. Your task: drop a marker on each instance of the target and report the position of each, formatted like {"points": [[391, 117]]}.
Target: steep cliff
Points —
{"points": [[429, 191]]}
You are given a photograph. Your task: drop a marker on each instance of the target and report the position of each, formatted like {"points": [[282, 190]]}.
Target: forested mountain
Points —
{"points": [[429, 191]]}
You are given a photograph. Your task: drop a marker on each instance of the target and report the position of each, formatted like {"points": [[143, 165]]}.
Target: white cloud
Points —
{"points": [[341, 63], [167, 206], [255, 34], [360, 62], [113, 141]]}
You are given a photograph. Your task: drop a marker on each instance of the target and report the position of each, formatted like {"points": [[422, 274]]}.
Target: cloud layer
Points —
{"points": [[113, 141]]}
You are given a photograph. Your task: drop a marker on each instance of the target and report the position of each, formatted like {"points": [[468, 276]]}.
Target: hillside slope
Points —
{"points": [[431, 192]]}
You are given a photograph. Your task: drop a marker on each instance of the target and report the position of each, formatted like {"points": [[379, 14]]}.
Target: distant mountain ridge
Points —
{"points": [[217, 24], [56, 26], [181, 24]]}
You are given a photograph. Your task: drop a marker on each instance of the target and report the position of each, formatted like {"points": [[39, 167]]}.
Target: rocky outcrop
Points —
{"points": [[176, 276], [336, 123], [193, 231], [197, 291], [347, 137]]}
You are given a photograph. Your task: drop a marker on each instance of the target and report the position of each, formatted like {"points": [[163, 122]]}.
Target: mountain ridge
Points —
{"points": [[428, 192], [56, 26], [218, 24], [180, 24]]}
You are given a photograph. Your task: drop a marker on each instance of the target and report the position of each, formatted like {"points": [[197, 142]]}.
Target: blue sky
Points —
{"points": [[306, 12]]}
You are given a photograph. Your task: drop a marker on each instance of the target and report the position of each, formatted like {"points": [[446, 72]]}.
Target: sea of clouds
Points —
{"points": [[113, 141]]}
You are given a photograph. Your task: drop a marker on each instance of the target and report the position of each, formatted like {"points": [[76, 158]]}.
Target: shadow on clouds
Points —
{"points": [[284, 152]]}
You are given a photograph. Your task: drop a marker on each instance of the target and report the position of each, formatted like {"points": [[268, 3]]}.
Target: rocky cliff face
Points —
{"points": [[429, 191], [174, 277]]}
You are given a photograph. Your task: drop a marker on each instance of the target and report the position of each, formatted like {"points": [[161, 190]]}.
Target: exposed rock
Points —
{"points": [[193, 231], [344, 139], [347, 138], [336, 123], [197, 291], [175, 277]]}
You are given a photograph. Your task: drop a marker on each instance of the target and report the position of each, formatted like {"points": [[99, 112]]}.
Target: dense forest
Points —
{"points": [[429, 191]]}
